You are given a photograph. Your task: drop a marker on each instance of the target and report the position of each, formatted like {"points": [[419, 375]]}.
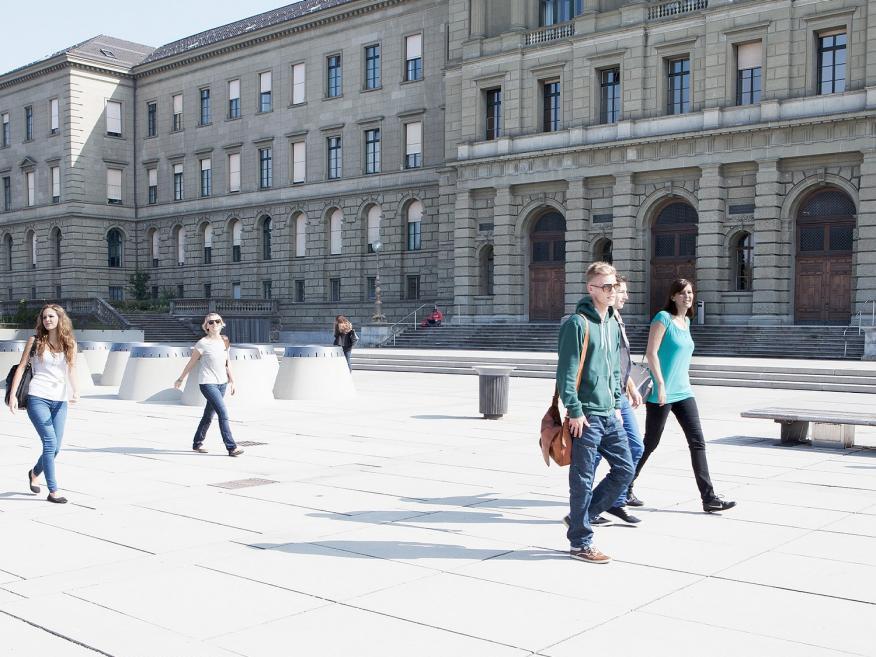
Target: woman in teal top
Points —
{"points": [[670, 347]]}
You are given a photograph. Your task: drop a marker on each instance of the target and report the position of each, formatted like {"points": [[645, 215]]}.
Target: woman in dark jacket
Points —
{"points": [[345, 337]]}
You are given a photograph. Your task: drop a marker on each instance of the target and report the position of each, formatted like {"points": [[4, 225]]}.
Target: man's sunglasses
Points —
{"points": [[609, 287]]}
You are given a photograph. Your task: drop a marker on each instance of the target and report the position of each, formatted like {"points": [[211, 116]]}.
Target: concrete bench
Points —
{"points": [[829, 428]]}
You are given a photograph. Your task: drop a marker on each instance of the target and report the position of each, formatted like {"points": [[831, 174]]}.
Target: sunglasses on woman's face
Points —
{"points": [[210, 322]]}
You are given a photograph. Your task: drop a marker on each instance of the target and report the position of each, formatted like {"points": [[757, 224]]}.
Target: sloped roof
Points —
{"points": [[101, 49], [237, 28]]}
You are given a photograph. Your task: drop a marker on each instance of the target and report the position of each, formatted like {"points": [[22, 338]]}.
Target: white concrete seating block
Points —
{"points": [[96, 354], [255, 370], [314, 372], [823, 428], [151, 371], [84, 381], [116, 361]]}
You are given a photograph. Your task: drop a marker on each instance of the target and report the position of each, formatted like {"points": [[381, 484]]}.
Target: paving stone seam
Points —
{"points": [[96, 538], [57, 634]]}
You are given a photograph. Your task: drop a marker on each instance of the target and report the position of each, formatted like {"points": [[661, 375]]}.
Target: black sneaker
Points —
{"points": [[620, 512], [632, 500], [599, 520], [717, 504]]}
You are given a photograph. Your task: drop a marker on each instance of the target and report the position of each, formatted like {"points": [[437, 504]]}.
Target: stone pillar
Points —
{"points": [[864, 275], [628, 247], [478, 18], [772, 268], [577, 244], [508, 283], [465, 272], [518, 15], [710, 241]]}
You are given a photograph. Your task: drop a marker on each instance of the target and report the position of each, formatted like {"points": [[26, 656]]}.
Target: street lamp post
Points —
{"points": [[378, 316]]}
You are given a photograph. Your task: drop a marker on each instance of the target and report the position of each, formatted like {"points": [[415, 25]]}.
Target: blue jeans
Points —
{"points": [[347, 354], [637, 446], [48, 418], [215, 393], [604, 436]]}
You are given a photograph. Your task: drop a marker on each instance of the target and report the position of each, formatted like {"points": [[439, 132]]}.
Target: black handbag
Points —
{"points": [[24, 384]]}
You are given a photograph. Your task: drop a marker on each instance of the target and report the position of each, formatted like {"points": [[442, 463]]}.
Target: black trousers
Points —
{"points": [[685, 411]]}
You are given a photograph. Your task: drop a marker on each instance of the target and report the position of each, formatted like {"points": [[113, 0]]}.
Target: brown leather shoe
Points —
{"points": [[589, 554]]}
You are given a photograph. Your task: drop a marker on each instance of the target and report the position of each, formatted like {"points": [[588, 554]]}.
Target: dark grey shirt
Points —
{"points": [[626, 360]]}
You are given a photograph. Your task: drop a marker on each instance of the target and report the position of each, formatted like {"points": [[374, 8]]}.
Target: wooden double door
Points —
{"points": [[823, 281], [673, 250], [547, 268]]}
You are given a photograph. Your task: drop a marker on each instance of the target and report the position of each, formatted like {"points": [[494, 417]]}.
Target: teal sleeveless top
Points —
{"points": [[674, 355]]}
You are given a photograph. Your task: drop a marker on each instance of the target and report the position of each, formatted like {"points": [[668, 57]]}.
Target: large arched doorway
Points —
{"points": [[547, 267], [823, 277], [673, 249]]}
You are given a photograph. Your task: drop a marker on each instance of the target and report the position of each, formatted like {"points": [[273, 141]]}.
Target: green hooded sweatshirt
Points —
{"points": [[600, 391]]}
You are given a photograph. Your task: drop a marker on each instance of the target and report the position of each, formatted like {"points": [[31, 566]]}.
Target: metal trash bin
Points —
{"points": [[494, 383], [314, 372], [151, 371], [117, 361], [701, 312]]}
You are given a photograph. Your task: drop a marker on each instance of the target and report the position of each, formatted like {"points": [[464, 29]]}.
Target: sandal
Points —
{"points": [[33, 487]]}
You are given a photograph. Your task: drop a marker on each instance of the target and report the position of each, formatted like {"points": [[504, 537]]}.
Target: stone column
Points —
{"points": [[508, 283], [465, 272], [577, 244], [864, 275], [710, 241], [628, 246], [771, 284], [478, 18], [518, 15]]}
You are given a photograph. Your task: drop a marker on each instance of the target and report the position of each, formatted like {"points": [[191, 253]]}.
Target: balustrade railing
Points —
{"points": [[189, 307], [94, 306], [676, 8], [551, 33]]}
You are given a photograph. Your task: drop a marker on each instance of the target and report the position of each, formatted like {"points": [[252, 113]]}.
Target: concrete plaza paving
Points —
{"points": [[403, 524]]}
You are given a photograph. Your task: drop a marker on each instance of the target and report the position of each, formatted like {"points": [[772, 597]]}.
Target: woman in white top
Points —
{"points": [[214, 376], [53, 382]]}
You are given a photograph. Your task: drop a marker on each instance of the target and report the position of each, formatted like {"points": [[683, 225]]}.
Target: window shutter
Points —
{"points": [[413, 138], [298, 83], [265, 82], [177, 104], [234, 89], [114, 117], [748, 55], [414, 46]]}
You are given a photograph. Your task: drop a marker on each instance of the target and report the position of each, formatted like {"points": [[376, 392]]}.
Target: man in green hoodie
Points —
{"points": [[593, 408]]}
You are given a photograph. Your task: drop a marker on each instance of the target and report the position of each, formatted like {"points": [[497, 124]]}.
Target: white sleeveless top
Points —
{"points": [[49, 376]]}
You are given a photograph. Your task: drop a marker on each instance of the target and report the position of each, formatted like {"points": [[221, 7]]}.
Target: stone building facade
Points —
{"points": [[501, 146]]}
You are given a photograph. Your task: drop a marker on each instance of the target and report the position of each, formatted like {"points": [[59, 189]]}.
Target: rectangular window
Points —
{"points": [[152, 175], [177, 112], [30, 181], [413, 145], [178, 182], [334, 158], [234, 172], [235, 290], [208, 245], [335, 289], [266, 168], [414, 57], [678, 87], [413, 287], [234, 99], [748, 73], [372, 66], [299, 291], [299, 162], [6, 130], [7, 193], [551, 106], [205, 107], [116, 293], [415, 219], [54, 116], [300, 236], [114, 186], [113, 118], [372, 151], [28, 123], [298, 89], [494, 114], [371, 288], [206, 177], [832, 62], [552, 12], [180, 291], [266, 289], [208, 290], [56, 184], [58, 291], [609, 95], [334, 82], [265, 92], [151, 119]]}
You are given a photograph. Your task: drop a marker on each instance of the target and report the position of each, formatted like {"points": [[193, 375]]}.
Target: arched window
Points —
{"points": [[266, 238], [179, 239], [154, 245], [743, 252], [236, 232], [602, 251], [208, 244], [374, 216], [30, 240], [336, 232], [300, 236], [114, 243], [414, 223], [8, 243], [56, 245], [485, 270]]}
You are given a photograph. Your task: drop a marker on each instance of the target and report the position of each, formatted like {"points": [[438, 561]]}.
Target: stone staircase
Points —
{"points": [[803, 342], [748, 374], [161, 327]]}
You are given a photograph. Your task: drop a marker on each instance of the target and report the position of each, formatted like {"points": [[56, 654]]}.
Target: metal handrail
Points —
{"points": [[873, 314], [394, 332]]}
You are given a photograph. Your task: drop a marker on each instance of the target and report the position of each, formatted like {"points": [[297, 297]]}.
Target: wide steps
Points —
{"points": [[158, 327]]}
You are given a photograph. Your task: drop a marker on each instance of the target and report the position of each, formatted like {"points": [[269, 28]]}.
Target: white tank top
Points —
{"points": [[49, 376]]}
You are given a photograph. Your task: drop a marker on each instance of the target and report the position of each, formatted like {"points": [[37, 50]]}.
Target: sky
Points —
{"points": [[61, 23]]}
